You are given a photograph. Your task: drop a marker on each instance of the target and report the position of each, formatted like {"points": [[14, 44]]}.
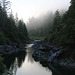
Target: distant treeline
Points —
{"points": [[57, 28], [40, 26], [11, 29], [63, 31]]}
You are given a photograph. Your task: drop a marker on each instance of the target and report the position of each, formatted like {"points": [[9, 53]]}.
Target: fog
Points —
{"points": [[37, 25], [40, 21], [30, 8]]}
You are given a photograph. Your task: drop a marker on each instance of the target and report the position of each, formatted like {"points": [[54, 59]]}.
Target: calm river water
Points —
{"points": [[24, 64]]}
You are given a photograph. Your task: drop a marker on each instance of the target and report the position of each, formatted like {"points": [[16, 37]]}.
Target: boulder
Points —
{"points": [[54, 55]]}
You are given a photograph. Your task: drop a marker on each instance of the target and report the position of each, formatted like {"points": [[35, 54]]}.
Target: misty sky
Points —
{"points": [[29, 8]]}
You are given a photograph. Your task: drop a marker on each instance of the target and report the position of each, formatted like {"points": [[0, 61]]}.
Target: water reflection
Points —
{"points": [[60, 70], [56, 69], [30, 67], [21, 58], [29, 55], [13, 62], [23, 64]]}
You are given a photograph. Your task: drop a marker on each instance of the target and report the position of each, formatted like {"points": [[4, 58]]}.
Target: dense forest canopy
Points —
{"points": [[58, 28], [10, 31], [42, 25], [64, 28]]}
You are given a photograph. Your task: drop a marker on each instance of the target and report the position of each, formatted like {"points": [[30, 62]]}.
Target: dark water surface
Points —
{"points": [[24, 64]]}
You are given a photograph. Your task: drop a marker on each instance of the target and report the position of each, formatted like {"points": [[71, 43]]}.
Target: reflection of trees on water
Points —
{"points": [[29, 54], [21, 58], [14, 61], [61, 70]]}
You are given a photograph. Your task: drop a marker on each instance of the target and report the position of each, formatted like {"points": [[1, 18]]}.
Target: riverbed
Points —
{"points": [[23, 64]]}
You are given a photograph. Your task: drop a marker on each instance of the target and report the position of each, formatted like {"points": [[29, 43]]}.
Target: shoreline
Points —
{"points": [[46, 52], [11, 49]]}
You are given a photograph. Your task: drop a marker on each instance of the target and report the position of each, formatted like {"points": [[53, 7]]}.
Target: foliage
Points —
{"points": [[2, 66], [63, 32], [37, 38], [9, 30], [3, 39], [22, 31]]}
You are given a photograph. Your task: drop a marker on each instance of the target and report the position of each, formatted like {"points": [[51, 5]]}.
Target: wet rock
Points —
{"points": [[54, 55], [50, 54], [69, 61], [1, 47], [44, 63], [51, 57], [10, 49], [39, 55], [45, 51]]}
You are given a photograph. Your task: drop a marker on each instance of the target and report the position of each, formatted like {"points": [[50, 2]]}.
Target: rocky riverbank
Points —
{"points": [[46, 52], [10, 49]]}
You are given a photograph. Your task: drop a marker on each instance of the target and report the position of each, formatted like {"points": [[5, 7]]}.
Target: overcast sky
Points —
{"points": [[29, 8]]}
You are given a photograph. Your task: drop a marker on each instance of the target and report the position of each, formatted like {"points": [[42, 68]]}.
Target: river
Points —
{"points": [[24, 64]]}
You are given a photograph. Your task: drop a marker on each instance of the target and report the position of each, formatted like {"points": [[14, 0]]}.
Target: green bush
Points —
{"points": [[2, 66], [3, 39]]}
